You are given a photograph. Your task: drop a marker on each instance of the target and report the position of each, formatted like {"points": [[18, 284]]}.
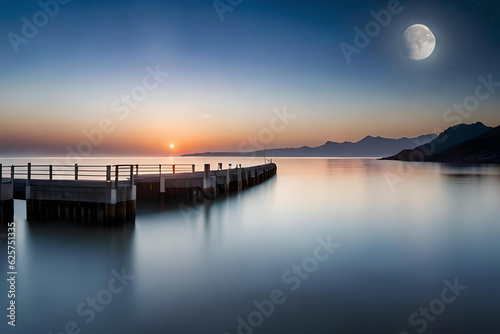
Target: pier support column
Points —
{"points": [[6, 200], [6, 212], [228, 181], [244, 182], [240, 180], [209, 183]]}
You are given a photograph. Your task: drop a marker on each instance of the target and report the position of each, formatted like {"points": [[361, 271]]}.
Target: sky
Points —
{"points": [[129, 77]]}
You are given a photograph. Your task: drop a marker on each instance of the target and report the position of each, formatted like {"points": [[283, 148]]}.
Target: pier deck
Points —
{"points": [[108, 194]]}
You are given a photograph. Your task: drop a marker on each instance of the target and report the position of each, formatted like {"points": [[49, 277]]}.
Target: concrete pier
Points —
{"points": [[6, 199], [89, 202], [108, 195], [6, 202], [173, 189], [97, 195]]}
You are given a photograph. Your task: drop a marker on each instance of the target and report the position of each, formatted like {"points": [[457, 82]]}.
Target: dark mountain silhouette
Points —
{"points": [[448, 139], [482, 149], [367, 147]]}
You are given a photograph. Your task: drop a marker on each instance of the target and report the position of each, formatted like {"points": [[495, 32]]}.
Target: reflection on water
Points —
{"points": [[403, 231]]}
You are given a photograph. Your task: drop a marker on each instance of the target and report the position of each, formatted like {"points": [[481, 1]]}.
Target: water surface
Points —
{"points": [[400, 232]]}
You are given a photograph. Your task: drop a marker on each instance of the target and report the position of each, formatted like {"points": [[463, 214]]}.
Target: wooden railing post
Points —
{"points": [[50, 172], [108, 173], [207, 171], [209, 183], [29, 173], [173, 169], [12, 172], [137, 170], [117, 170], [193, 167], [76, 172], [159, 166], [131, 176], [1, 174]]}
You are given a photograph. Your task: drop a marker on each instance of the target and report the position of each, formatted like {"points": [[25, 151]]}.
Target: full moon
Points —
{"points": [[418, 42]]}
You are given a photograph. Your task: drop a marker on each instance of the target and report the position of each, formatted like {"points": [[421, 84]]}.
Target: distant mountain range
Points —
{"points": [[463, 143], [367, 147]]}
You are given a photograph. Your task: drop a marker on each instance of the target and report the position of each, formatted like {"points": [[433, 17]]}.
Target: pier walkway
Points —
{"points": [[109, 194]]}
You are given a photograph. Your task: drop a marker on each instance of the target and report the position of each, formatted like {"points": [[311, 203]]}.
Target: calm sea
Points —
{"points": [[327, 246]]}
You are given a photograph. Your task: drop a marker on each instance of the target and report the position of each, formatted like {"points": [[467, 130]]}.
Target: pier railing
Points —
{"points": [[161, 169], [6, 175], [76, 172]]}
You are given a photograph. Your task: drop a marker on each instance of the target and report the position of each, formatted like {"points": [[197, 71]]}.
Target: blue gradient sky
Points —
{"points": [[226, 77]]}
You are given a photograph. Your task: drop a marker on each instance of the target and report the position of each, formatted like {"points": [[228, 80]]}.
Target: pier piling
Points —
{"points": [[6, 198]]}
